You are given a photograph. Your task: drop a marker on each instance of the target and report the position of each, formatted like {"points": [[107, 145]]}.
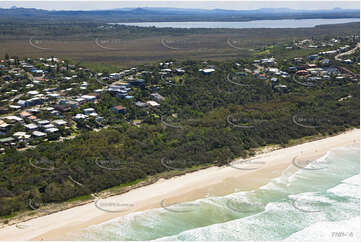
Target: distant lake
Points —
{"points": [[283, 23]]}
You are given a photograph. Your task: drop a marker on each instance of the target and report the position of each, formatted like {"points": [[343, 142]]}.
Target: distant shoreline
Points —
{"points": [[242, 24], [190, 186]]}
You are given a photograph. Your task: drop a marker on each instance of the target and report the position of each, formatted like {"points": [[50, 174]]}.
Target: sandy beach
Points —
{"points": [[214, 181]]}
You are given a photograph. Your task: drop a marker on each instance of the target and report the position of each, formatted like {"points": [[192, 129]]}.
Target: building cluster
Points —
{"points": [[48, 99], [45, 99]]}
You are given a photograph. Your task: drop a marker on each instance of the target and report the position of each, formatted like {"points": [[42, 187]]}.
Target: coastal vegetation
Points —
{"points": [[207, 121]]}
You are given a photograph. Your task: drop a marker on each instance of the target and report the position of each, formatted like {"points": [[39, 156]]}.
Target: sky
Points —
{"points": [[203, 4]]}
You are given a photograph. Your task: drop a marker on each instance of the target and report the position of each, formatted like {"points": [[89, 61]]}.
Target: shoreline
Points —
{"points": [[212, 181]]}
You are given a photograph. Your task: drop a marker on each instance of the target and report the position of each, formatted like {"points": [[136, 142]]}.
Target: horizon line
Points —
{"points": [[185, 8]]}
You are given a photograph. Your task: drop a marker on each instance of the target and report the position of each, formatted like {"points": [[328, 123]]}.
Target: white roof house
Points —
{"points": [[39, 134], [21, 135], [14, 118], [22, 103], [79, 100], [115, 75], [42, 122], [59, 122], [273, 70], [14, 106], [98, 90], [89, 98], [31, 126], [33, 92], [153, 103], [88, 110], [48, 108], [54, 95], [51, 130], [207, 70], [48, 126], [80, 116]]}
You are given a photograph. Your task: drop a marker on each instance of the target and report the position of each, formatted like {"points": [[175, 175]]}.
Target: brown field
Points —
{"points": [[129, 51]]}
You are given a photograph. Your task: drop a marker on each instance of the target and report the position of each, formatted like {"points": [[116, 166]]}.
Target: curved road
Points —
{"points": [[337, 57]]}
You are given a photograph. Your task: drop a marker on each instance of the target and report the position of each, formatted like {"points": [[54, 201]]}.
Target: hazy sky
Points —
{"points": [[230, 4]]}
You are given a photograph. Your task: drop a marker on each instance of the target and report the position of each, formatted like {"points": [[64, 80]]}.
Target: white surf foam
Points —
{"points": [[346, 230]]}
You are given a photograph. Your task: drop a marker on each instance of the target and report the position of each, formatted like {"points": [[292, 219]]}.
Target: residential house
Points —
{"points": [[14, 107], [141, 104], [153, 104], [51, 130], [7, 141], [59, 122], [88, 111], [80, 116], [42, 123], [179, 71], [48, 126], [115, 76], [312, 57], [89, 98], [138, 82], [23, 103], [325, 62], [268, 61], [7, 78], [31, 126], [21, 136], [302, 72], [119, 109], [38, 134], [62, 108], [3, 125], [13, 119], [157, 97], [3, 110], [207, 71], [273, 70], [25, 114]]}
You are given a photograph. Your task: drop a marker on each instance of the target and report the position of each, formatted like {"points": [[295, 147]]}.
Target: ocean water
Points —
{"points": [[321, 202]]}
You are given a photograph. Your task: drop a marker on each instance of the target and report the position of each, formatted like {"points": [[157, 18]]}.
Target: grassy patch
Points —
{"points": [[125, 185], [9, 216], [79, 198]]}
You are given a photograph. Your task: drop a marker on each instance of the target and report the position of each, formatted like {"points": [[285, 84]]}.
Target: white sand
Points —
{"points": [[211, 181]]}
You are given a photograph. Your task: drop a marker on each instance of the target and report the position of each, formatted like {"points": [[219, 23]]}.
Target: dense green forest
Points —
{"points": [[204, 120]]}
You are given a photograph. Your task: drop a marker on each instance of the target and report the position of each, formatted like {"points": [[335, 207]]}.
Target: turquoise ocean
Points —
{"points": [[320, 202]]}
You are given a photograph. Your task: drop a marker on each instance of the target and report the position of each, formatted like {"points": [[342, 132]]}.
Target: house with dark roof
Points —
{"points": [[3, 110], [62, 108], [138, 82], [119, 109]]}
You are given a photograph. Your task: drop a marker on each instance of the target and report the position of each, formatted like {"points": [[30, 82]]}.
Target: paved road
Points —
{"points": [[337, 57]]}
